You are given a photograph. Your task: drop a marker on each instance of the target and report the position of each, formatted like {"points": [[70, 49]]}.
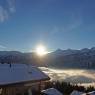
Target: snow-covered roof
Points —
{"points": [[91, 93], [76, 93], [19, 73], [52, 91]]}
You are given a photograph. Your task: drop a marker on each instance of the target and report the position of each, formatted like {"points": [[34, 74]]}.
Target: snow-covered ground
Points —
{"points": [[79, 76]]}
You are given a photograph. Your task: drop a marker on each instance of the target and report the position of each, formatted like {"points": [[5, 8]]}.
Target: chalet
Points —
{"points": [[21, 79]]}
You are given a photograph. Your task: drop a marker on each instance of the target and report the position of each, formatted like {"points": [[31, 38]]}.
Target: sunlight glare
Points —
{"points": [[41, 50]]}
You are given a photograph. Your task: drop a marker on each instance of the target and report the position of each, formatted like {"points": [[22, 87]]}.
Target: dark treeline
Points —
{"points": [[67, 88], [64, 88]]}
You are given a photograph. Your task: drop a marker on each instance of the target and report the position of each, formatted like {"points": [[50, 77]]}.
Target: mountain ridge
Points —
{"points": [[70, 58]]}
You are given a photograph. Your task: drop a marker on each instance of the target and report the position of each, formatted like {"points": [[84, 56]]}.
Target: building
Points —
{"points": [[51, 91], [75, 92], [21, 79]]}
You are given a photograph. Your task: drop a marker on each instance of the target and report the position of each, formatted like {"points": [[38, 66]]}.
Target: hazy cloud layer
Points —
{"points": [[2, 47], [5, 12], [70, 75], [11, 4]]}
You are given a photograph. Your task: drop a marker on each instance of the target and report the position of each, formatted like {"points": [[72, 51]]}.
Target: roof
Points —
{"points": [[20, 73], [91, 93], [52, 91], [75, 92]]}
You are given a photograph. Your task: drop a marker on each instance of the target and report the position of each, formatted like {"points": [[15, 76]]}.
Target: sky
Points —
{"points": [[54, 23]]}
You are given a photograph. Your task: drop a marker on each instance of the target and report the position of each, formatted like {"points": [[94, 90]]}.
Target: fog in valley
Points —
{"points": [[75, 76]]}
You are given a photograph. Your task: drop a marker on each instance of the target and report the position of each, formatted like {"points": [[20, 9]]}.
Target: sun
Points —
{"points": [[41, 50]]}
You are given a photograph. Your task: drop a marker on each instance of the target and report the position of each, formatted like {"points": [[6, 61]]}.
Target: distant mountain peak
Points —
{"points": [[85, 50], [93, 48], [59, 50]]}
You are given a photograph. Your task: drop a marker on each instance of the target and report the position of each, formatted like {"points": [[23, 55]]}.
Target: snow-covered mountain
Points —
{"points": [[73, 58], [65, 52], [59, 58], [6, 53]]}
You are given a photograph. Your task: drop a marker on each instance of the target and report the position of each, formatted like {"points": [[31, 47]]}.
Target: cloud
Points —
{"points": [[5, 12], [72, 26], [2, 47], [11, 4]]}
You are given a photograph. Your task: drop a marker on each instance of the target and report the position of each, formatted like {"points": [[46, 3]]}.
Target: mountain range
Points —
{"points": [[70, 58]]}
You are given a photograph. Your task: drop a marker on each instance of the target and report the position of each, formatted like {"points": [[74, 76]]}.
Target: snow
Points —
{"points": [[76, 93], [91, 93], [51, 91], [17, 73]]}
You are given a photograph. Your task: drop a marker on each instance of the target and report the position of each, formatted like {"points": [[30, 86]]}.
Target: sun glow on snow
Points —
{"points": [[41, 50]]}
